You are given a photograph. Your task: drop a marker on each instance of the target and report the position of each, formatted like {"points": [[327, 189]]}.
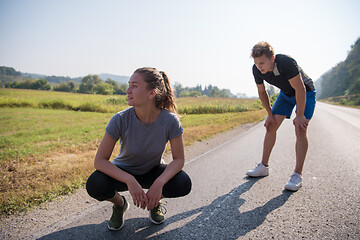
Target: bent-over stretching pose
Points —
{"points": [[296, 88]]}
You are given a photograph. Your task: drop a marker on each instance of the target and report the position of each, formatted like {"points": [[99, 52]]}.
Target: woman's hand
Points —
{"points": [[137, 193], [154, 195]]}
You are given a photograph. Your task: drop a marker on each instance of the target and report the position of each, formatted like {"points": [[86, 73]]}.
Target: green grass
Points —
{"points": [[203, 105], [30, 131], [60, 100], [101, 103], [348, 100], [49, 151]]}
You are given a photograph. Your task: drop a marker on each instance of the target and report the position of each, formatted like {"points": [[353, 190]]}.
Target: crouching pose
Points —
{"points": [[143, 130]]}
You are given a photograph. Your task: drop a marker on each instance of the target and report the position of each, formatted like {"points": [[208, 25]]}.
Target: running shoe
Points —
{"points": [[157, 214], [259, 171], [294, 183], [116, 221]]}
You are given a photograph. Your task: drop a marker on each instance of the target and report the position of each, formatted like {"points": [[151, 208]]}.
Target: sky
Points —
{"points": [[194, 41]]}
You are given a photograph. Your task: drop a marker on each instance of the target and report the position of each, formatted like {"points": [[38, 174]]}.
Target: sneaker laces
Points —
{"points": [[162, 208], [295, 178], [260, 164]]}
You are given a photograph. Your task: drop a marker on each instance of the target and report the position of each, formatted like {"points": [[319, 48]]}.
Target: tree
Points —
{"points": [[88, 82], [271, 90], [341, 79], [40, 84], [103, 88], [178, 89], [65, 87], [241, 95], [210, 91], [121, 90], [118, 89], [9, 71], [355, 87], [195, 94]]}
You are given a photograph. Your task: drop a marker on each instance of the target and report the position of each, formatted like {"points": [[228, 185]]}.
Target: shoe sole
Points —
{"points": [[254, 176], [154, 222], [293, 189], [117, 229]]}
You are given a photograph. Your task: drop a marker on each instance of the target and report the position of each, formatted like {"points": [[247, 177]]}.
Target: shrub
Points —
{"points": [[55, 104], [116, 100]]}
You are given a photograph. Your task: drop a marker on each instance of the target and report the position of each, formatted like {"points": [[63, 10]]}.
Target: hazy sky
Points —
{"points": [[195, 42]]}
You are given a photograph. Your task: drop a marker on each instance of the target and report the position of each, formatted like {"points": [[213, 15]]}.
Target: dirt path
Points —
{"points": [[24, 224]]}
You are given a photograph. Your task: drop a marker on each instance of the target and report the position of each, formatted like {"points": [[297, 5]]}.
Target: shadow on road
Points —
{"points": [[218, 220]]}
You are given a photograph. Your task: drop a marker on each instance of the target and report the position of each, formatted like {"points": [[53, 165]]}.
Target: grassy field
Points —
{"points": [[61, 100], [348, 100], [201, 105], [49, 151], [110, 104]]}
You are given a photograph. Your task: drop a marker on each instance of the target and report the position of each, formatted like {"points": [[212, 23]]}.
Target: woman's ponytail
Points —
{"points": [[159, 81], [169, 99]]}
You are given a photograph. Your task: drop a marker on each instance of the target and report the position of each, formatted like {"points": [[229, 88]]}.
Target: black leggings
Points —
{"points": [[102, 187]]}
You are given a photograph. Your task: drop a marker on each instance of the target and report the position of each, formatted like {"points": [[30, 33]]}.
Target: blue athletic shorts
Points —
{"points": [[284, 105]]}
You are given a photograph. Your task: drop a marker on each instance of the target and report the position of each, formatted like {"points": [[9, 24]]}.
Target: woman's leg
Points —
{"points": [[178, 186], [102, 187]]}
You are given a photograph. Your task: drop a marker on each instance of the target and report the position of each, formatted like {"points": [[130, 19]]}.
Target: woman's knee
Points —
{"points": [[180, 185], [98, 185]]}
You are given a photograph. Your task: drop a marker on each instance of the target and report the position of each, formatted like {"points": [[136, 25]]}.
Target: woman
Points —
{"points": [[143, 130]]}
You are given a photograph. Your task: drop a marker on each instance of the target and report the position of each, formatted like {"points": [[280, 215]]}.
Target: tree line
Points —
{"points": [[343, 79], [9, 71], [210, 91], [91, 84]]}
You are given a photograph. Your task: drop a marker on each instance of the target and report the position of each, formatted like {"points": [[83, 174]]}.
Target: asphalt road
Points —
{"points": [[224, 204]]}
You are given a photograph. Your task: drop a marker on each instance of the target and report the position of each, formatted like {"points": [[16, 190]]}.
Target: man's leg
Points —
{"points": [[262, 169], [270, 139], [301, 148]]}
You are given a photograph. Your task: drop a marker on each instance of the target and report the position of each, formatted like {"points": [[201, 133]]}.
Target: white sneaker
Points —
{"points": [[294, 183], [259, 171]]}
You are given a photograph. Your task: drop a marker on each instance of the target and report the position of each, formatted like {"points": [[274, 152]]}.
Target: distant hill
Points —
{"points": [[343, 79], [51, 79], [9, 74], [59, 79], [9, 71], [117, 78]]}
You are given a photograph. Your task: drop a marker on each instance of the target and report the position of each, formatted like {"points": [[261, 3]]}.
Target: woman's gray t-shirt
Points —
{"points": [[142, 145]]}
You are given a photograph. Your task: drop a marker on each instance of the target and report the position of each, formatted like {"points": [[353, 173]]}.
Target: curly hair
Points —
{"points": [[262, 48]]}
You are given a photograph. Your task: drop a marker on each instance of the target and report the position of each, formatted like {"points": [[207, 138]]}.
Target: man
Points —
{"points": [[296, 88]]}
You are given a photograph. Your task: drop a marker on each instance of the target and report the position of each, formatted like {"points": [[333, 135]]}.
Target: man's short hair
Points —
{"points": [[262, 48]]}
